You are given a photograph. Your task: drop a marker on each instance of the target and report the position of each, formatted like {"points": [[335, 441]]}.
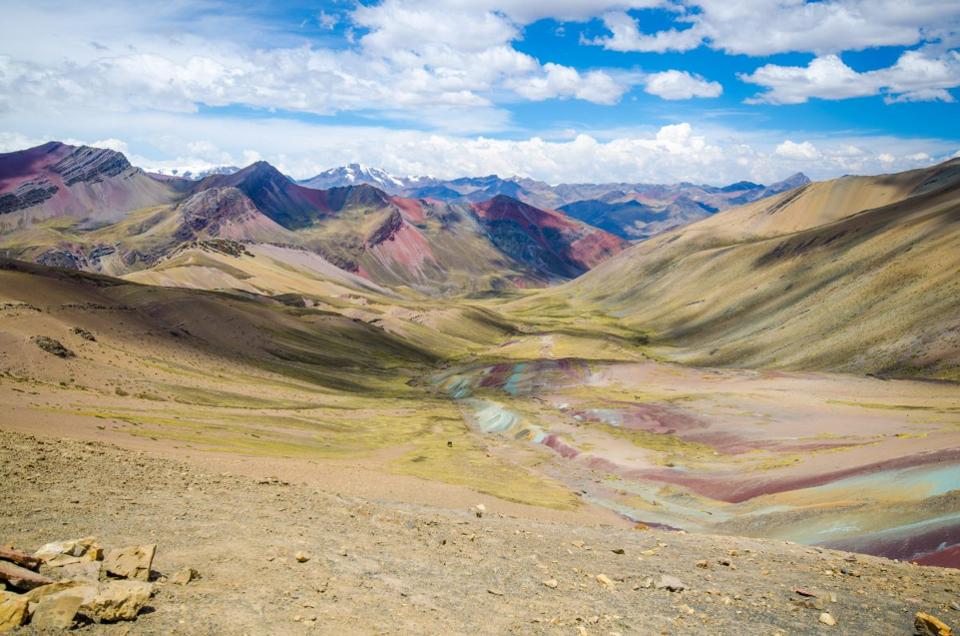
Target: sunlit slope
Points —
{"points": [[870, 290], [191, 369], [816, 204]]}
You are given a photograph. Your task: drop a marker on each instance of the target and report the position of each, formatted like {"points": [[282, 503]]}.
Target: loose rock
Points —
{"points": [[13, 611], [184, 576], [83, 333], [827, 619], [85, 547], [132, 562], [56, 611], [117, 601], [928, 625], [671, 583]]}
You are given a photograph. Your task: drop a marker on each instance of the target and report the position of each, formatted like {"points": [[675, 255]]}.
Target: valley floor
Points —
{"points": [[387, 567]]}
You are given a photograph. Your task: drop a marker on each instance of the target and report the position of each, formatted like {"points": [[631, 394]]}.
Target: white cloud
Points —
{"points": [[825, 77], [681, 85], [797, 151], [564, 82], [916, 76], [766, 27], [442, 64], [625, 36], [677, 152]]}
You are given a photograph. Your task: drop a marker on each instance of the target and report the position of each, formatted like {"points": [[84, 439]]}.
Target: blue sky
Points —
{"points": [[567, 90]]}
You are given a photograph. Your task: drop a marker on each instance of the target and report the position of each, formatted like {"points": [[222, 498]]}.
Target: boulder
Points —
{"points": [[56, 611], [81, 571], [37, 594], [107, 601], [117, 601], [13, 611], [132, 562]]}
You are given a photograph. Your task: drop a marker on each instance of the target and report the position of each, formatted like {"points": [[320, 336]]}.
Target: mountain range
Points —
{"points": [[715, 377], [86, 208], [632, 211]]}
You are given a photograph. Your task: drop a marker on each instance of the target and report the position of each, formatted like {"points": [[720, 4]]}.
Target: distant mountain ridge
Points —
{"points": [[663, 206], [87, 208], [193, 175], [357, 173]]}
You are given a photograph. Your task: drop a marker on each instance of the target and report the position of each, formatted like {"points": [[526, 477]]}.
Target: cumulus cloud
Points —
{"points": [[681, 85], [411, 59], [625, 36], [825, 27], [916, 76], [671, 153], [798, 151], [557, 81]]}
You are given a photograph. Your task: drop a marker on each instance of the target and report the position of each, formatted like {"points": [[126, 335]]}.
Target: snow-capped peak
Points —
{"points": [[356, 173]]}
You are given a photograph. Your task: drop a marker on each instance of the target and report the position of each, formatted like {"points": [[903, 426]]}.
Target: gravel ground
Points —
{"points": [[379, 567]]}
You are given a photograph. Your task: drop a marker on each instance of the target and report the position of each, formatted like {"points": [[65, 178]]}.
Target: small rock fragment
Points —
{"points": [[83, 333], [301, 557], [605, 581], [551, 583], [671, 583], [618, 551], [85, 547], [827, 619], [184, 576], [479, 509], [495, 591], [928, 625]]}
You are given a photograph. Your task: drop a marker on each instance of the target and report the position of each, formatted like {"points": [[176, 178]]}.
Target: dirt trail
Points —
{"points": [[379, 567]]}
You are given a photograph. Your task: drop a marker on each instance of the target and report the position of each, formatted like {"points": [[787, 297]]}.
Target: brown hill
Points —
{"points": [[856, 274]]}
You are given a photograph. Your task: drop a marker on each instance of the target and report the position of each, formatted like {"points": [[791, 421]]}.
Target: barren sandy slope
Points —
{"points": [[388, 568]]}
